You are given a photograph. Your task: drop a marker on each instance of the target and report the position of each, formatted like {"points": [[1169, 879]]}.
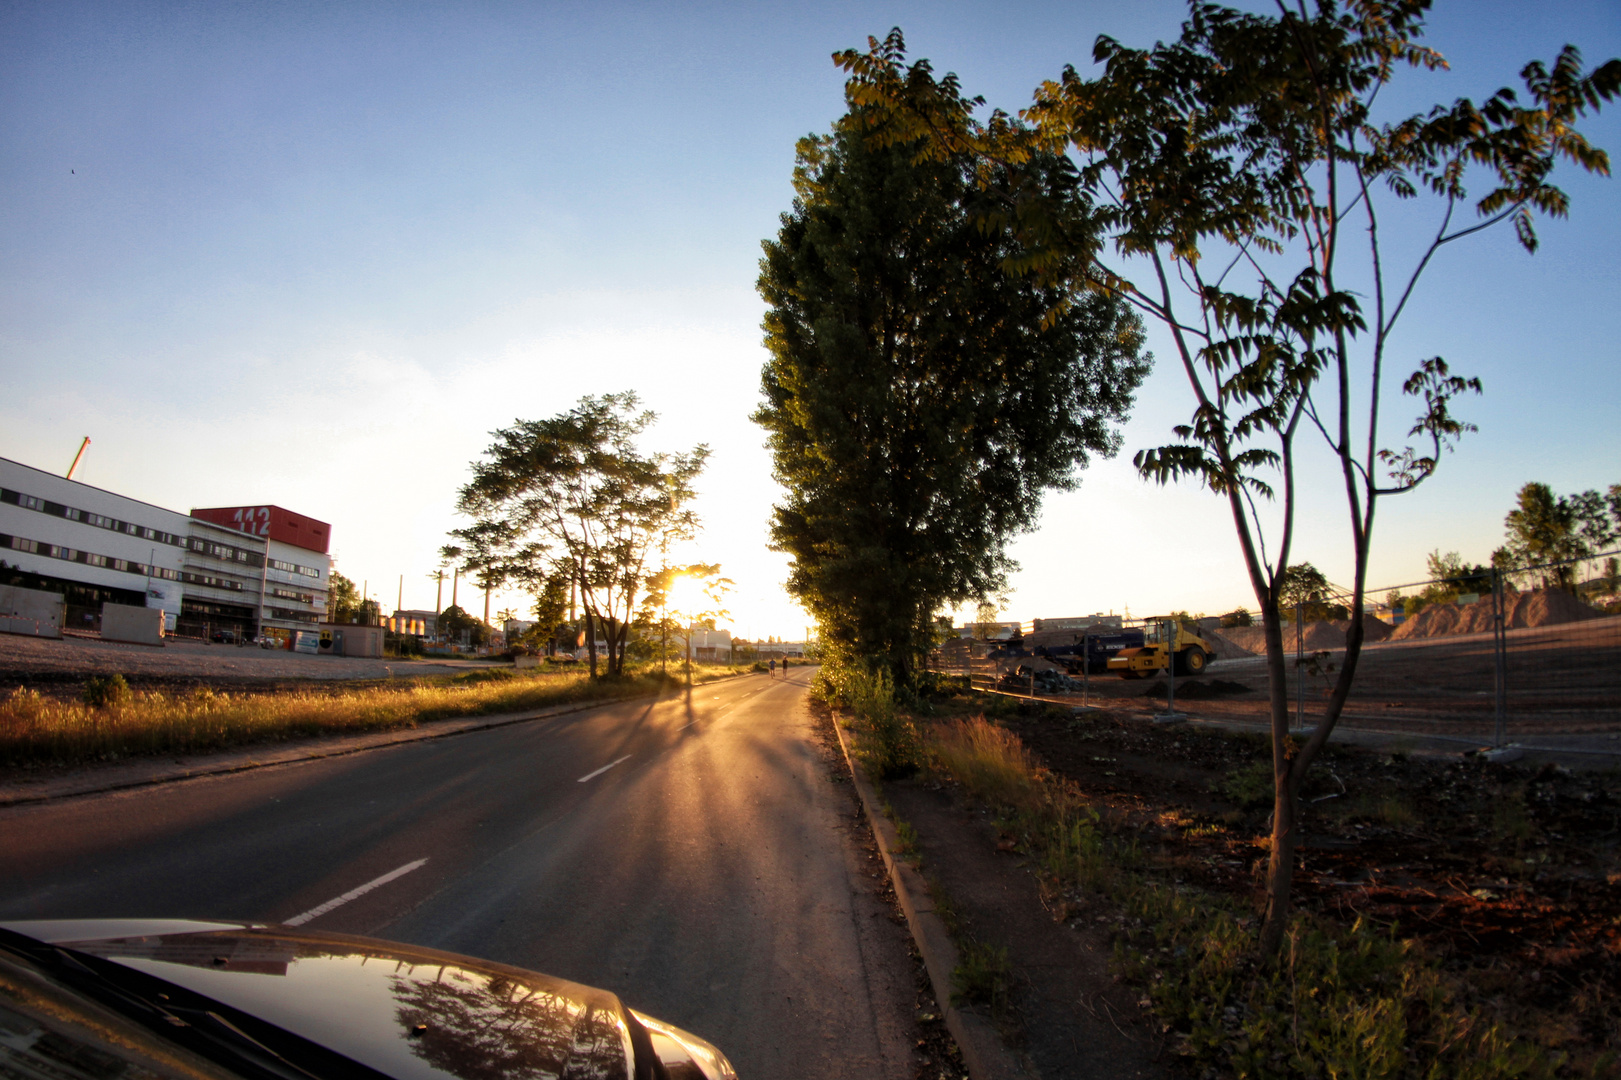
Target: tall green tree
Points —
{"points": [[1544, 528], [1305, 587], [342, 599], [551, 605], [576, 492], [1241, 176], [919, 398], [453, 621]]}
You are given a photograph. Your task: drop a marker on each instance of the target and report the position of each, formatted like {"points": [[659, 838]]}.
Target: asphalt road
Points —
{"points": [[693, 856]]}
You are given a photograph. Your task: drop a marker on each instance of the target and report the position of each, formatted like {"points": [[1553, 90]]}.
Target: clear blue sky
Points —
{"points": [[312, 254]]}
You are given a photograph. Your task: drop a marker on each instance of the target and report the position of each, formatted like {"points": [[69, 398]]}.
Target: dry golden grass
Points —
{"points": [[37, 730], [989, 761]]}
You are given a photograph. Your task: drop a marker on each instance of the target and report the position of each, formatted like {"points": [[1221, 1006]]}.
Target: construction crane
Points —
{"points": [[77, 457]]}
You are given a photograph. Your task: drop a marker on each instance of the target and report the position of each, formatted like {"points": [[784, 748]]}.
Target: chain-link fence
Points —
{"points": [[1530, 655]]}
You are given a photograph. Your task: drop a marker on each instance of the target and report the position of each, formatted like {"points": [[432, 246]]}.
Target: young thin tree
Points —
{"points": [[576, 491], [1241, 175]]}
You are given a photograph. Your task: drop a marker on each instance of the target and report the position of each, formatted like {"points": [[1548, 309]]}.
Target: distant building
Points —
{"points": [[243, 570], [411, 618], [709, 646], [295, 569], [996, 631], [1079, 622]]}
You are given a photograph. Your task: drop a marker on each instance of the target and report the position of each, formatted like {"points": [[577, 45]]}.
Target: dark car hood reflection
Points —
{"points": [[411, 1014]]}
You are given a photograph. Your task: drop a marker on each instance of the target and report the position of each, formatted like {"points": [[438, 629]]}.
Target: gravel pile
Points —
{"points": [[1539, 607]]}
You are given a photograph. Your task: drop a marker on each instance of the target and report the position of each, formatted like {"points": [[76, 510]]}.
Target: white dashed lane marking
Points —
{"points": [[599, 772], [358, 891]]}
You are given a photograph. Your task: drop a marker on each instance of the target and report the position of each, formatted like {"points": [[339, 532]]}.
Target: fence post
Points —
{"points": [[1300, 670], [1086, 669], [1172, 636], [1500, 651]]}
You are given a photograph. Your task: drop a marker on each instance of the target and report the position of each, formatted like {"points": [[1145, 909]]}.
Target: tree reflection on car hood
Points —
{"points": [[413, 1014]]}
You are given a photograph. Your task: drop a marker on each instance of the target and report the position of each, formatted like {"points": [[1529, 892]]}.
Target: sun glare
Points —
{"points": [[687, 596]]}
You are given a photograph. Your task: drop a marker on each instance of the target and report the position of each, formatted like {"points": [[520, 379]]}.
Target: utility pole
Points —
{"points": [[264, 585], [401, 602]]}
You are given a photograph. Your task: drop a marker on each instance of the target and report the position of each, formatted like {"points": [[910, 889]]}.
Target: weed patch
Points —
{"points": [[887, 742], [1248, 785], [983, 976], [1342, 1001], [989, 761]]}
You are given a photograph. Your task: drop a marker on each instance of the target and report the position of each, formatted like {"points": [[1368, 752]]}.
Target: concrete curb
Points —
{"points": [[145, 774], [977, 1038]]}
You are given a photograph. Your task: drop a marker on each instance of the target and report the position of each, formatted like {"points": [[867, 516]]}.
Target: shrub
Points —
{"points": [[889, 745], [1249, 785], [105, 691]]}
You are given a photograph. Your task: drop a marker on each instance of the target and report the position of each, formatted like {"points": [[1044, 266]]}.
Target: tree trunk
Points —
{"points": [[591, 641], [1285, 832], [616, 651]]}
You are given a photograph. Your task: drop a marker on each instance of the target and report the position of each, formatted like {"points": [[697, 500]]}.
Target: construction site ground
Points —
{"points": [[59, 667], [1508, 873], [1424, 694]]}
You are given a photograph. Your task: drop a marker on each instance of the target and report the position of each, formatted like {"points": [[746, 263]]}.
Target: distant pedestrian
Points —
{"points": [[771, 666]]}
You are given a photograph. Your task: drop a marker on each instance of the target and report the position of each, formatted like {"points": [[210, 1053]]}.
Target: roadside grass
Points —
{"points": [[1342, 1001], [113, 722]]}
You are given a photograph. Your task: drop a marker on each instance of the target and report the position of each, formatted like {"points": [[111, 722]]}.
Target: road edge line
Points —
{"points": [[981, 1044]]}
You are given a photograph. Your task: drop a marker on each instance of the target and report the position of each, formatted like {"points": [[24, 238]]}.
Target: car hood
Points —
{"points": [[409, 1013]]}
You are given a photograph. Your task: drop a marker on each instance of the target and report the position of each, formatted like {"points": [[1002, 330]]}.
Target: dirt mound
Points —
{"points": [[1318, 636], [1539, 607], [1252, 639], [1199, 691], [1226, 646], [1372, 629]]}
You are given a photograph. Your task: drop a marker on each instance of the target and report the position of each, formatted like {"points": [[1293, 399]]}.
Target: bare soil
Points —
{"points": [[1563, 679], [1509, 876], [59, 668]]}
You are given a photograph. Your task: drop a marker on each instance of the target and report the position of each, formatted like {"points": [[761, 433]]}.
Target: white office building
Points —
{"points": [[243, 570]]}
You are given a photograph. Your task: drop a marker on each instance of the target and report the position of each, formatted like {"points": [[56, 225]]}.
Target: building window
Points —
{"points": [[29, 502]]}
